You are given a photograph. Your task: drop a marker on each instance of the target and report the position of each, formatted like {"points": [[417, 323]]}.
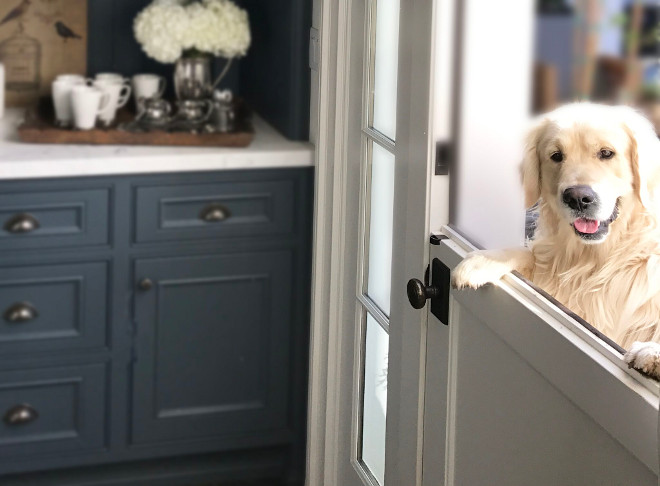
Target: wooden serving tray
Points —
{"points": [[39, 127]]}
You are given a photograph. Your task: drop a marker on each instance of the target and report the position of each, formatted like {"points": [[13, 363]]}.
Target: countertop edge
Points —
{"points": [[19, 161], [149, 165]]}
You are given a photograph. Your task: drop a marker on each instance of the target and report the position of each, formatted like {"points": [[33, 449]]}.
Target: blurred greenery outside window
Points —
{"points": [[600, 50]]}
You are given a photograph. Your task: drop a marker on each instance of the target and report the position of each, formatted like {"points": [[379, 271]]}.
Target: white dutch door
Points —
{"points": [[491, 387], [529, 395]]}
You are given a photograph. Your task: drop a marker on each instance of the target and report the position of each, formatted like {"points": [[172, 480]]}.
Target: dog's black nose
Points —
{"points": [[579, 198]]}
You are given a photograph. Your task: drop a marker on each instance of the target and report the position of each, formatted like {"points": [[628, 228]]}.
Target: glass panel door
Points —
{"points": [[375, 399], [375, 273], [380, 180], [385, 57], [379, 265]]}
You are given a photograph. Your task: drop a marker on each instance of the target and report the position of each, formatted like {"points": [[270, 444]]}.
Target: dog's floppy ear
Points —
{"points": [[644, 155], [531, 165]]}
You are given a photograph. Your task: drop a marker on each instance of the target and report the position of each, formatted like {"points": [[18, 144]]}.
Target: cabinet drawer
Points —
{"points": [[214, 210], [52, 307], [54, 219], [52, 410]]}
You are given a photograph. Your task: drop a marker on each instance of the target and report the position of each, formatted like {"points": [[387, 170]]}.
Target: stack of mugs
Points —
{"points": [[80, 102]]}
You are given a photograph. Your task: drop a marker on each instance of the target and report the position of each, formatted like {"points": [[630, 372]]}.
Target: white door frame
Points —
{"points": [[415, 155], [331, 86]]}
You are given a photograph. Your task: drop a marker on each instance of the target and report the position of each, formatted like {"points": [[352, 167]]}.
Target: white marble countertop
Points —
{"points": [[28, 161]]}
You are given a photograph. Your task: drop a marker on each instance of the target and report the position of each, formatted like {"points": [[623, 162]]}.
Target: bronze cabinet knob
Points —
{"points": [[20, 415], [145, 284], [20, 312], [214, 213], [22, 223]]}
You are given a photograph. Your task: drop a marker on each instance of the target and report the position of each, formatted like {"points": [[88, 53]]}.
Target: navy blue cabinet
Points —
{"points": [[153, 329], [212, 346], [184, 212], [52, 410], [53, 219], [53, 307]]}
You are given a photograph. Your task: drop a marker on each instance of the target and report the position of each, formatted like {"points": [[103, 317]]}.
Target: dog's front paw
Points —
{"points": [[645, 357], [477, 270]]}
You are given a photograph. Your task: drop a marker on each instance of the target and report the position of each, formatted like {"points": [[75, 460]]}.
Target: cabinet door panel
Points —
{"points": [[212, 346]]}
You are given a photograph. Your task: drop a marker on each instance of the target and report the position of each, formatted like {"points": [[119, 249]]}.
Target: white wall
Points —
{"points": [[494, 96]]}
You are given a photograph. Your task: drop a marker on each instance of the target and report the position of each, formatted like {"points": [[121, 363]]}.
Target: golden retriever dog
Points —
{"points": [[595, 171]]}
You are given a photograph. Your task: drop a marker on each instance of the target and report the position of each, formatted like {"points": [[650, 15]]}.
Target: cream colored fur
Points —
{"points": [[614, 284]]}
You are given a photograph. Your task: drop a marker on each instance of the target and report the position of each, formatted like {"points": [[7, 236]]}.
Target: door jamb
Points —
{"points": [[329, 216]]}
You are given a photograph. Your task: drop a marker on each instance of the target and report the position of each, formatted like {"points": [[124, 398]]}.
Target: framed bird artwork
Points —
{"points": [[40, 39]]}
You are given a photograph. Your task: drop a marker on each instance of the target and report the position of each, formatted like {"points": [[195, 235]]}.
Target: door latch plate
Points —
{"points": [[440, 279]]}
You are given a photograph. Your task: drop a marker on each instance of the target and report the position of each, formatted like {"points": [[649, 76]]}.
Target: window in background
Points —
{"points": [[600, 50], [606, 51]]}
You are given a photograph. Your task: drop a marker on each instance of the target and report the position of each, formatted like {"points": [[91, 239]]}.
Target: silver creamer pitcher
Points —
{"points": [[223, 118]]}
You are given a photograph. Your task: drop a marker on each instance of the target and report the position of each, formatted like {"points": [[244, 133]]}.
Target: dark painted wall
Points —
{"points": [[277, 65], [273, 77]]}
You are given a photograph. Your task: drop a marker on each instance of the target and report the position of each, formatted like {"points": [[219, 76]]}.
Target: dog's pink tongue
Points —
{"points": [[588, 226]]}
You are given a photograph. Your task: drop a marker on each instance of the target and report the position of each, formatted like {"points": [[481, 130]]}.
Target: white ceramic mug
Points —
{"points": [[87, 103], [148, 86], [112, 77], [74, 78], [61, 92], [118, 93]]}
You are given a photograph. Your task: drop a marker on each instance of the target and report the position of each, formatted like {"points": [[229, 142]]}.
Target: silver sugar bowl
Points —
{"points": [[155, 111], [196, 111]]}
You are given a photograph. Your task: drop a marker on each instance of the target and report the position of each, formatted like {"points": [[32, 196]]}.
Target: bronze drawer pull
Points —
{"points": [[20, 415], [22, 223], [21, 312], [214, 213]]}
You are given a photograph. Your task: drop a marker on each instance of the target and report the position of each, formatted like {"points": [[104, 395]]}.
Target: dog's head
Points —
{"points": [[589, 162]]}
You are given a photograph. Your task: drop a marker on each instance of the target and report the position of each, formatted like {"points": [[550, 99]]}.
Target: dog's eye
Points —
{"points": [[605, 154], [557, 157]]}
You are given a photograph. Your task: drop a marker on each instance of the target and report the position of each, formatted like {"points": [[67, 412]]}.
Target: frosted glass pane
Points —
{"points": [[386, 66], [375, 399], [380, 227]]}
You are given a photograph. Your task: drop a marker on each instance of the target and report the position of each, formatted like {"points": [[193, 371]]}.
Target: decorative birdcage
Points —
{"points": [[21, 56]]}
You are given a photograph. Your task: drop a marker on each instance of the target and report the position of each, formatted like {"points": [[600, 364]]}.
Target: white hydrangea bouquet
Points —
{"points": [[171, 29], [189, 33]]}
